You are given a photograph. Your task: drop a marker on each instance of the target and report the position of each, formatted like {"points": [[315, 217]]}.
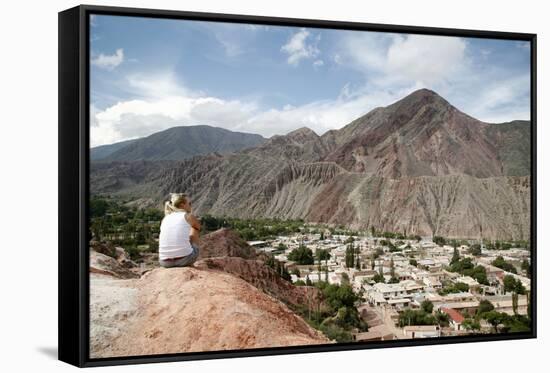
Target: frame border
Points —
{"points": [[73, 219]]}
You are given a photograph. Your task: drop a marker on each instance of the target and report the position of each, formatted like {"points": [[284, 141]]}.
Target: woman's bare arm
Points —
{"points": [[193, 221]]}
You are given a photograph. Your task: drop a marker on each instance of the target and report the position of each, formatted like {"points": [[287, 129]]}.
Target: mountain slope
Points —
{"points": [[424, 135], [179, 143], [418, 165], [513, 143], [103, 151]]}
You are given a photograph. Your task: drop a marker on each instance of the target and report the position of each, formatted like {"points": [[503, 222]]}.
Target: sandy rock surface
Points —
{"points": [[188, 309]]}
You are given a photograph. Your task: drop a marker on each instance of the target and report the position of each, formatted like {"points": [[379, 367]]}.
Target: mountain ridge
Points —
{"points": [[421, 151], [181, 142]]}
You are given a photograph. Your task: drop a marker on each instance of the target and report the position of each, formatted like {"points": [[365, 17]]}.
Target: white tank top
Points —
{"points": [[174, 236]]}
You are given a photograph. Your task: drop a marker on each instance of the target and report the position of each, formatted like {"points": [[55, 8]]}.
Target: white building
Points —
{"points": [[421, 331]]}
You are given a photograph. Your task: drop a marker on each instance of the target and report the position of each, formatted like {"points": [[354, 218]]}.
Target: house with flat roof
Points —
{"points": [[472, 283], [399, 303], [469, 306], [504, 303], [389, 290], [432, 282], [376, 298], [412, 286], [421, 331]]}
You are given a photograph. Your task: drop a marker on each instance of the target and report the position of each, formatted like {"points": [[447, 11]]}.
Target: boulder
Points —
{"points": [[105, 265], [105, 248], [123, 258]]}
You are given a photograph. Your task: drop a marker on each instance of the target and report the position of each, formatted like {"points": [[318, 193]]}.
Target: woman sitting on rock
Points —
{"points": [[179, 233]]}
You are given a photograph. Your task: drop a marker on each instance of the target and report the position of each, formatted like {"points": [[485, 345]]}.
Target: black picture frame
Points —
{"points": [[73, 100]]}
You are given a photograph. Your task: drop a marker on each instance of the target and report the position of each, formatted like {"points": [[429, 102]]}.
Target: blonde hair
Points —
{"points": [[172, 205]]}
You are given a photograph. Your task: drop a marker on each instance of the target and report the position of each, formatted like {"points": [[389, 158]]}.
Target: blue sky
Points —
{"points": [[151, 74]]}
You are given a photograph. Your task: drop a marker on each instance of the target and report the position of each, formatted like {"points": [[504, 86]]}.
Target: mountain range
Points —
{"points": [[419, 166], [177, 143]]}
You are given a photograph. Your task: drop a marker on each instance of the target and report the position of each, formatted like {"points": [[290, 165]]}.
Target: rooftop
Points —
{"points": [[420, 328], [453, 314]]}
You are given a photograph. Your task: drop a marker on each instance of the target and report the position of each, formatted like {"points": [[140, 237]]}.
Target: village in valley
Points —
{"points": [[358, 285], [413, 287]]}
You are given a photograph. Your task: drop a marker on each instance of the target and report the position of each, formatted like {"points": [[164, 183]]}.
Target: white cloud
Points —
{"points": [[393, 66], [236, 39], [93, 118], [318, 63], [503, 100], [162, 103], [179, 106], [425, 59], [443, 64], [156, 85], [322, 115], [255, 27], [298, 47], [109, 62], [230, 44], [407, 59]]}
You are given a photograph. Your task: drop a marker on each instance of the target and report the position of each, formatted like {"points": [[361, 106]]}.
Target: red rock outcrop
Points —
{"points": [[257, 273]]}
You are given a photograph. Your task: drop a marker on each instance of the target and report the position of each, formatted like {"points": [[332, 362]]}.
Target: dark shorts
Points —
{"points": [[182, 262]]}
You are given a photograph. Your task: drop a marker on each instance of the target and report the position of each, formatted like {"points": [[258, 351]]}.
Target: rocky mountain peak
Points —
{"points": [[302, 135], [419, 99]]}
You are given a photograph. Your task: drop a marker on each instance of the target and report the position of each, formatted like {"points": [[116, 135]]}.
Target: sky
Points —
{"points": [[148, 74]]}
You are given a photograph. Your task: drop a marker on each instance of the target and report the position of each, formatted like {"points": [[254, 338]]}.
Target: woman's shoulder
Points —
{"points": [[174, 216]]}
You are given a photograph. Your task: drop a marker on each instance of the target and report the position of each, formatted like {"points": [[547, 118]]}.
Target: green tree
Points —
{"points": [[322, 254], [378, 278], [471, 324], [455, 258], [475, 249], [153, 246], [98, 207], [301, 255], [393, 277], [511, 284], [515, 303], [416, 317], [495, 318], [504, 265], [484, 307], [458, 287], [441, 318], [438, 240], [427, 306], [281, 247]]}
